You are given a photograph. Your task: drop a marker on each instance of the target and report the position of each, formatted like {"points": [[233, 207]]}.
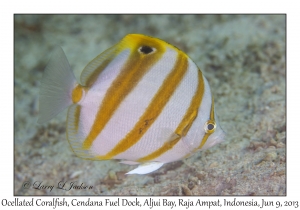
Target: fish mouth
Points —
{"points": [[215, 139], [221, 137]]}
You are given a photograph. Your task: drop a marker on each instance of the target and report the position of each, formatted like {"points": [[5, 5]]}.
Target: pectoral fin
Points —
{"points": [[166, 135]]}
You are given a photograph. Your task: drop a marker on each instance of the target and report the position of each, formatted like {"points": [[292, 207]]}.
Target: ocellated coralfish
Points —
{"points": [[142, 101]]}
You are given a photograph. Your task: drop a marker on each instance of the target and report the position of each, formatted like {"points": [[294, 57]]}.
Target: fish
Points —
{"points": [[143, 101]]}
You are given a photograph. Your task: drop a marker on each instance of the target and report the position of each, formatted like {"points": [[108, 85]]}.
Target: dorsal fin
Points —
{"points": [[96, 66]]}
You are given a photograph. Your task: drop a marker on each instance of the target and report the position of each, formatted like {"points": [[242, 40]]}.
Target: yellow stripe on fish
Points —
{"points": [[185, 123], [135, 67], [143, 101]]}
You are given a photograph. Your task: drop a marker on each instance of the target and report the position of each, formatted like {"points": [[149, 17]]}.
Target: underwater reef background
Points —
{"points": [[242, 56]]}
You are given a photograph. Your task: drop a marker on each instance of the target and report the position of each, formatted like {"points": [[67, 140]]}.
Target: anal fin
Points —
{"points": [[75, 133]]}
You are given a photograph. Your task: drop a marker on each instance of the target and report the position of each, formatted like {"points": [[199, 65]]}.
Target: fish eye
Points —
{"points": [[210, 126], [146, 49]]}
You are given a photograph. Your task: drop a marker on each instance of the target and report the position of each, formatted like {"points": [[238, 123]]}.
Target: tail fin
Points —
{"points": [[56, 86]]}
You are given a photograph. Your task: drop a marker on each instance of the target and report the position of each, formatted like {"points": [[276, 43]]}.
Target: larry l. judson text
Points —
{"points": [[149, 202]]}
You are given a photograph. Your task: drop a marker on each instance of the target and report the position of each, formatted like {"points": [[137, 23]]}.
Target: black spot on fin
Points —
{"points": [[146, 49]]}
